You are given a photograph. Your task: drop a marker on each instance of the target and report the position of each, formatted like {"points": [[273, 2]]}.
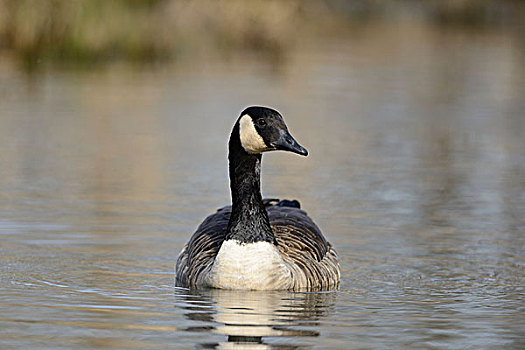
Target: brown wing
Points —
{"points": [[294, 229], [311, 258], [199, 253]]}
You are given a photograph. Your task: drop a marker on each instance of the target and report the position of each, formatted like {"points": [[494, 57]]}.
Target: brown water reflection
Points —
{"points": [[415, 174]]}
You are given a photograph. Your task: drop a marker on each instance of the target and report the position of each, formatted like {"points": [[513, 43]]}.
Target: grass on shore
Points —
{"points": [[99, 31]]}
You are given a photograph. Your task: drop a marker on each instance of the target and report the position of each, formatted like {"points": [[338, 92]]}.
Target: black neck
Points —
{"points": [[249, 220]]}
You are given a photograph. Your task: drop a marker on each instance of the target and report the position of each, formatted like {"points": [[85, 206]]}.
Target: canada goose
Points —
{"points": [[258, 244]]}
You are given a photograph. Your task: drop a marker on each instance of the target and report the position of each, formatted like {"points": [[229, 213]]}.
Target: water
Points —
{"points": [[416, 175]]}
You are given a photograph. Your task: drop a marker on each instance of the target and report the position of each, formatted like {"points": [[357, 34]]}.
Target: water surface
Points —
{"points": [[416, 174]]}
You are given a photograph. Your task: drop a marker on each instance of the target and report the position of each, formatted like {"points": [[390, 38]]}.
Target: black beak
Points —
{"points": [[287, 143]]}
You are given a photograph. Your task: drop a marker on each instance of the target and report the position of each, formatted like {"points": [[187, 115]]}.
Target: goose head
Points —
{"points": [[262, 129]]}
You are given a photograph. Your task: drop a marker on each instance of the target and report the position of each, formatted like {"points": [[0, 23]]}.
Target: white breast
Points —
{"points": [[255, 266]]}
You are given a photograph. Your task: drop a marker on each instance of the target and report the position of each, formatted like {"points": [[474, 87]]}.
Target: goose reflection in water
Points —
{"points": [[247, 317]]}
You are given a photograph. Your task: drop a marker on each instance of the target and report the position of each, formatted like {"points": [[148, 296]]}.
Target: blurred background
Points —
{"points": [[114, 120], [87, 33]]}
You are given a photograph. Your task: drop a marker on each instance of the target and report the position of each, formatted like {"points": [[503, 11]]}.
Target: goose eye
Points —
{"points": [[261, 123]]}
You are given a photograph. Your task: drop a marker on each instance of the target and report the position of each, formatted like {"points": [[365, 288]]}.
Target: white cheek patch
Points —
{"points": [[251, 141]]}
